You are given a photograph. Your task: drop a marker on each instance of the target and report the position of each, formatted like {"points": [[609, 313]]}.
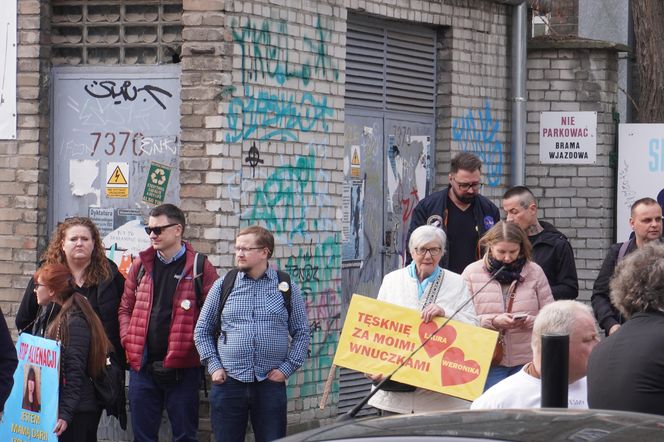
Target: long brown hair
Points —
{"points": [[507, 232], [58, 278], [99, 269]]}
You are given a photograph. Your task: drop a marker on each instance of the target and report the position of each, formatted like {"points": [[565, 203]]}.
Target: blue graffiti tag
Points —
{"points": [[282, 202], [477, 134], [282, 115], [266, 53]]}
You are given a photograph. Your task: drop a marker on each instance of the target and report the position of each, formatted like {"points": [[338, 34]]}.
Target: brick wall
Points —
{"points": [[23, 163], [263, 141], [578, 200]]}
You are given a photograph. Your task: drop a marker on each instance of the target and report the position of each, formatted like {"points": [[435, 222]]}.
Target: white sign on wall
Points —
{"points": [[568, 137], [8, 70], [640, 169]]}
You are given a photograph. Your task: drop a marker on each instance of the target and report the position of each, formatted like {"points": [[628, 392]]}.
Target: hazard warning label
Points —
{"points": [[117, 180], [355, 162]]}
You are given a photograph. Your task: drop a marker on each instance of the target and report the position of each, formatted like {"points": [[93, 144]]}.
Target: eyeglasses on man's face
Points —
{"points": [[245, 250], [433, 251], [467, 186], [158, 229]]}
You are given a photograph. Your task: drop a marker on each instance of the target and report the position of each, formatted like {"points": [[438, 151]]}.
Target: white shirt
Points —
{"points": [[400, 289], [521, 390]]}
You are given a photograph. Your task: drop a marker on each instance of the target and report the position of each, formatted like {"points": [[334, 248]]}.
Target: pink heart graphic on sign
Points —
{"points": [[455, 369], [440, 341]]}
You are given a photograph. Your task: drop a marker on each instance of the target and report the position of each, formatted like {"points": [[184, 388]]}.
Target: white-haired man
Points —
{"points": [[523, 389]]}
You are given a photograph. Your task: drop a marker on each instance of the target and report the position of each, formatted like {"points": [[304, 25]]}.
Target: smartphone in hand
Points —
{"points": [[519, 316]]}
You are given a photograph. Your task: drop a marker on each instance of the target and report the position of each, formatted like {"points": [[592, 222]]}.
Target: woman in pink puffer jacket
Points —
{"points": [[507, 247]]}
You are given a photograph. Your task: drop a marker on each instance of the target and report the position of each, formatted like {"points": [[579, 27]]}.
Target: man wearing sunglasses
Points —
{"points": [[460, 211], [158, 312]]}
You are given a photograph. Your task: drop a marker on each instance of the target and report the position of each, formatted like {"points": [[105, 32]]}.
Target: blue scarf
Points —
{"points": [[421, 286]]}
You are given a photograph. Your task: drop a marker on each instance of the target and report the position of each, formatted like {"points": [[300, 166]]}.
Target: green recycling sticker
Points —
{"points": [[156, 184]]}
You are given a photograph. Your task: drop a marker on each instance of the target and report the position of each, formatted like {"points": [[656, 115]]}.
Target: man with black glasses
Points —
{"points": [[460, 211], [163, 294], [252, 335]]}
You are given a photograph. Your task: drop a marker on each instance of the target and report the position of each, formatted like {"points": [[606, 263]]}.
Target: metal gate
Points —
{"points": [[389, 134], [115, 149]]}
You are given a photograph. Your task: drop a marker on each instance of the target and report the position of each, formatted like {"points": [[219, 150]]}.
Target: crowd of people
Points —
{"points": [[173, 316], [160, 325], [521, 276]]}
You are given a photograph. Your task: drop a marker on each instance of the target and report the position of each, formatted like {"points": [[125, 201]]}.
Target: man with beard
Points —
{"points": [[460, 211], [252, 335], [646, 222]]}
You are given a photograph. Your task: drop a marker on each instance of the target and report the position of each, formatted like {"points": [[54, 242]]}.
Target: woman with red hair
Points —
{"points": [[84, 349]]}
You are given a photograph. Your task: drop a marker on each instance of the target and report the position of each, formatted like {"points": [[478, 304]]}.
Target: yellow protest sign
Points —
{"points": [[378, 336]]}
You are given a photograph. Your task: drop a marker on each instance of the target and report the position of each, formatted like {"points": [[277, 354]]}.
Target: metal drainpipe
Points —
{"points": [[519, 36], [518, 98]]}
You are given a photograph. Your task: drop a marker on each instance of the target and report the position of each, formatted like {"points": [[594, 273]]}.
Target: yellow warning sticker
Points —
{"points": [[355, 156], [117, 180], [117, 177]]}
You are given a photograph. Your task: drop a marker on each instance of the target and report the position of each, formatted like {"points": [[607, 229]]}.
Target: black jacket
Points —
{"points": [[626, 370], [553, 252], [76, 389], [108, 295], [106, 303], [8, 361], [486, 214], [607, 315]]}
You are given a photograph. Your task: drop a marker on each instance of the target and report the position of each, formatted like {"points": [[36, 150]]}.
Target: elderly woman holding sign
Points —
{"points": [[435, 292]]}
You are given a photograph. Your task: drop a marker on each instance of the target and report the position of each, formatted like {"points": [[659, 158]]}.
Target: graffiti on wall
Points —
{"points": [[268, 51], [314, 268], [279, 101], [477, 132], [289, 202], [269, 57], [279, 116]]}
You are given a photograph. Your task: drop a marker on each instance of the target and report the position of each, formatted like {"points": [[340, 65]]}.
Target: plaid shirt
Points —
{"points": [[255, 329]]}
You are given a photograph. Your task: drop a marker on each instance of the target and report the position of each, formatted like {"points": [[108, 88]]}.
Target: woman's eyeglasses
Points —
{"points": [[433, 251], [158, 229]]}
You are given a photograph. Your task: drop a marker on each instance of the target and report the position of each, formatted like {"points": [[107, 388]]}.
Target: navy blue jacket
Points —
{"points": [[486, 214]]}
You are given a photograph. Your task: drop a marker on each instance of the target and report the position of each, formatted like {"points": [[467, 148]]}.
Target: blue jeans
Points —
{"points": [[498, 373], [232, 402], [147, 399]]}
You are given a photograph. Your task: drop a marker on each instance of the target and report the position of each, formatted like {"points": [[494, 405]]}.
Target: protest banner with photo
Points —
{"points": [[378, 336], [31, 410]]}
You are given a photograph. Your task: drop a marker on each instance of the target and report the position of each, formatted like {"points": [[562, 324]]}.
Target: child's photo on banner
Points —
{"points": [[31, 410]]}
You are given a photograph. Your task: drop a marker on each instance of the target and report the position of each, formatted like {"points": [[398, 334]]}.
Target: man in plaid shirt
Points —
{"points": [[253, 345]]}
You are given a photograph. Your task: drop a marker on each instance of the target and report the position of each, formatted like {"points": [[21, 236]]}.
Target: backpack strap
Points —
{"points": [[285, 277], [199, 268], [140, 273], [229, 282], [227, 287], [623, 250]]}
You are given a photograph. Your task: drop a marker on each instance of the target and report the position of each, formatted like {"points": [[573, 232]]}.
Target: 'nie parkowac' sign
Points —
{"points": [[31, 410], [568, 137], [378, 336]]}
